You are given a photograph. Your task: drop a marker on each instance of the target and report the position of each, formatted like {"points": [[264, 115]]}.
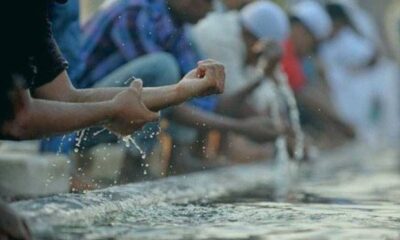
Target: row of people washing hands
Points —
{"points": [[327, 54]]}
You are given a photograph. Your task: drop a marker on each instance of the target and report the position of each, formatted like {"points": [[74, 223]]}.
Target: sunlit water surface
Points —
{"points": [[341, 197]]}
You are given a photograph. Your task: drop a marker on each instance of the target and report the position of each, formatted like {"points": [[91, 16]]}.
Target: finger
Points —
{"points": [[192, 74], [220, 71], [153, 116], [220, 81], [137, 85], [27, 231], [211, 72], [201, 71], [147, 114]]}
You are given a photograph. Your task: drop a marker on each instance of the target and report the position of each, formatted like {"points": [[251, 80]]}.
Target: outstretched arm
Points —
{"points": [[260, 129], [207, 78], [36, 118]]}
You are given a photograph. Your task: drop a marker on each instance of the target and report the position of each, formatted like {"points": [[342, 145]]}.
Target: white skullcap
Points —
{"points": [[361, 20], [314, 17], [265, 20]]}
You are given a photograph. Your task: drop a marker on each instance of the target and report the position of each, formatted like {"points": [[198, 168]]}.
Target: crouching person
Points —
{"points": [[38, 100]]}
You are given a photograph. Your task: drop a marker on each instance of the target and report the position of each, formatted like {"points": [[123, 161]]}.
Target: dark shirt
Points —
{"points": [[28, 46], [66, 29], [128, 29], [27, 49], [67, 32]]}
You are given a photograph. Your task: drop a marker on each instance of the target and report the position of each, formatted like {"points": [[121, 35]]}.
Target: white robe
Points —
{"points": [[219, 37], [356, 88]]}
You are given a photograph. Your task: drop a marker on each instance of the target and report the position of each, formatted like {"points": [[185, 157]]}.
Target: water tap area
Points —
{"points": [[352, 193]]}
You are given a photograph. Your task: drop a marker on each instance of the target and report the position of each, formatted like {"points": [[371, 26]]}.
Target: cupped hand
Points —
{"points": [[130, 112]]}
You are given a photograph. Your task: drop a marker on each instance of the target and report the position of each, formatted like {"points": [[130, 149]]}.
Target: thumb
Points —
{"points": [[138, 86]]}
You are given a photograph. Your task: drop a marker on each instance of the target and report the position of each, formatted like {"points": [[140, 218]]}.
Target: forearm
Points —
{"points": [[61, 89], [196, 118], [154, 98], [43, 118]]}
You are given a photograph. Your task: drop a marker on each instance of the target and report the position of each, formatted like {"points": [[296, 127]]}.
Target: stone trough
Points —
{"points": [[68, 209]]}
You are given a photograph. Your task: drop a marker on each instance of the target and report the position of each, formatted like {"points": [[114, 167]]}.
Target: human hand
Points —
{"points": [[270, 53], [130, 113], [208, 78]]}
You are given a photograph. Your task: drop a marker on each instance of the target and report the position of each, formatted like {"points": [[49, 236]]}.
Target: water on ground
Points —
{"points": [[352, 194]]}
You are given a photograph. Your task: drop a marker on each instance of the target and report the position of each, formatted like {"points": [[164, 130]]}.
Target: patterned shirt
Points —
{"points": [[127, 29]]}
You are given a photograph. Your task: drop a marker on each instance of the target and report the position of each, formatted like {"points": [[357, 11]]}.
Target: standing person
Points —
{"points": [[128, 33], [364, 83], [38, 99]]}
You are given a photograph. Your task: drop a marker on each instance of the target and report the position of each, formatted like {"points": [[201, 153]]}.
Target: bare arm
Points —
{"points": [[36, 118], [259, 129], [208, 78], [42, 118], [61, 89]]}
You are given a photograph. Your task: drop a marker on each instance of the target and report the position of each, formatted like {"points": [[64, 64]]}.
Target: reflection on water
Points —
{"points": [[339, 199]]}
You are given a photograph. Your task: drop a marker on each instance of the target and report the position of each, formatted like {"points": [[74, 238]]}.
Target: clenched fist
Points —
{"points": [[208, 78]]}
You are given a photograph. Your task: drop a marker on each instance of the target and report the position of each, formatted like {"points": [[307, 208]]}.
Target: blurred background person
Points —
{"points": [[227, 5], [310, 26], [234, 38], [150, 40], [363, 81]]}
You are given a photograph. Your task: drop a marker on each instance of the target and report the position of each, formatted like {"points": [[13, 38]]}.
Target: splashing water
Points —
{"points": [[98, 132], [81, 135], [294, 115], [235, 203], [60, 146], [285, 171], [128, 140]]}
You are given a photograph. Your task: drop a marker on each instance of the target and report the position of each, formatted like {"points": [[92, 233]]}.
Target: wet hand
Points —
{"points": [[270, 53], [291, 147], [208, 78], [130, 113]]}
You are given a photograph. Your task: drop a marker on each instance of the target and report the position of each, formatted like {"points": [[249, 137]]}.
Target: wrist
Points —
{"points": [[193, 88], [112, 109]]}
